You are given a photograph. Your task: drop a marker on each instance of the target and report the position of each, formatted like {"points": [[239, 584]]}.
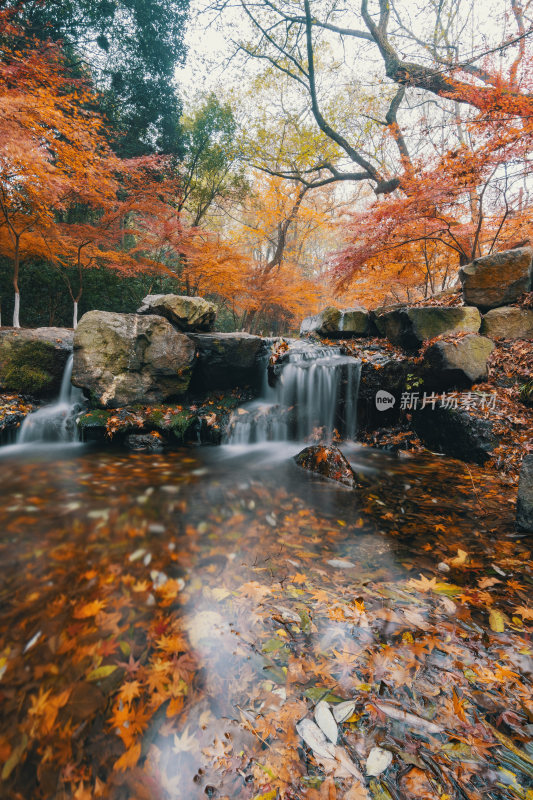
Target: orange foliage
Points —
{"points": [[468, 202]]}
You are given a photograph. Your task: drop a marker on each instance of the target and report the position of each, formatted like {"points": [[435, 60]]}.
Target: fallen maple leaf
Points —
{"points": [[524, 612], [128, 759]]}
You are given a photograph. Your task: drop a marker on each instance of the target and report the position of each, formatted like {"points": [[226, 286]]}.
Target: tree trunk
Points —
{"points": [[16, 311], [75, 317]]}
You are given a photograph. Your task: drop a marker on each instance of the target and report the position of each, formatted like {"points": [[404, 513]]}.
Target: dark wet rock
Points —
{"points": [[124, 359], [410, 327], [455, 432], [457, 364], [508, 322], [32, 360], [187, 313], [338, 323], [524, 503], [382, 377], [145, 442], [92, 426], [201, 422], [498, 279], [327, 461], [13, 411], [228, 360]]}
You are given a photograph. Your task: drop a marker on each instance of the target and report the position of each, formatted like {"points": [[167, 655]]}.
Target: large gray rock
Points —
{"points": [[354, 322], [124, 359], [455, 432], [337, 323], [409, 327], [499, 279], [228, 360], [32, 360], [524, 503], [187, 313], [457, 364], [508, 322]]}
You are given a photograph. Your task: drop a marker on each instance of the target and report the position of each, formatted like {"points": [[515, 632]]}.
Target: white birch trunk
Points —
{"points": [[16, 321], [75, 319]]}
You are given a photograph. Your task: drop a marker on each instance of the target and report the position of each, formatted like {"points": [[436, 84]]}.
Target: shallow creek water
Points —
{"points": [[167, 620]]}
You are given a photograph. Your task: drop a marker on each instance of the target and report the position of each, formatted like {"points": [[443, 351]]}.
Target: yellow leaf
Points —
{"points": [[460, 559], [101, 672], [496, 620]]}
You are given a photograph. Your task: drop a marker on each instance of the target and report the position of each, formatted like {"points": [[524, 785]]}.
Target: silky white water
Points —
{"points": [[55, 422], [315, 394]]}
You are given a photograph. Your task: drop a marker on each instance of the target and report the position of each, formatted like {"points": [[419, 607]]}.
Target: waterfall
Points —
{"points": [[55, 422], [315, 394]]}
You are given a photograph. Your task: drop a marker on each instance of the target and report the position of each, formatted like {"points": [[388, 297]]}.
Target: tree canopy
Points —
{"points": [[131, 48]]}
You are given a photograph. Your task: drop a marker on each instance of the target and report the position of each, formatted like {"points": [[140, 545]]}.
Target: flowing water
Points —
{"points": [[315, 393], [54, 423], [167, 621]]}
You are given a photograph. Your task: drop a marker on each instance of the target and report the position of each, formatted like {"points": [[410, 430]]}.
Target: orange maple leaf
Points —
{"points": [[128, 759], [89, 609]]}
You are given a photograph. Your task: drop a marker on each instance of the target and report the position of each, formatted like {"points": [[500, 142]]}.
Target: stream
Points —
{"points": [[168, 620]]}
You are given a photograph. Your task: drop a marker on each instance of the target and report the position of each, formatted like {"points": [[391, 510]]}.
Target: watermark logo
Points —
{"points": [[411, 401], [384, 400]]}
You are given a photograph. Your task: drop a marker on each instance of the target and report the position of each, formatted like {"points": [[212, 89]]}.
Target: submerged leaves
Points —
{"points": [[265, 661]]}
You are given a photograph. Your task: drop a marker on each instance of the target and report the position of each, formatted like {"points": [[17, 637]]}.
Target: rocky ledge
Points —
{"points": [[32, 361]]}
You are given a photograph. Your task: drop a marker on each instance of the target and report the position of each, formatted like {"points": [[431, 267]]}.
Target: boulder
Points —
{"points": [[499, 279], [457, 364], [124, 359], [324, 323], [410, 326], [508, 322], [187, 313], [32, 360], [228, 360], [337, 323], [455, 432], [354, 322], [524, 503], [327, 461], [381, 379]]}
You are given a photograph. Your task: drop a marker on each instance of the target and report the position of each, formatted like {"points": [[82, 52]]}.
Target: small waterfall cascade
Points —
{"points": [[314, 393], [55, 422]]}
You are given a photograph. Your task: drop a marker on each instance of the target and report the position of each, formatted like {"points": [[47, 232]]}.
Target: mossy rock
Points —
{"points": [[32, 360], [31, 368]]}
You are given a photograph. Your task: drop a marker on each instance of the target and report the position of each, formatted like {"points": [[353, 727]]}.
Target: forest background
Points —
{"points": [[271, 157]]}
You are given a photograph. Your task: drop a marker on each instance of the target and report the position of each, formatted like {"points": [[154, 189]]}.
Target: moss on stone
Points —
{"points": [[93, 418], [181, 423], [30, 368], [157, 417]]}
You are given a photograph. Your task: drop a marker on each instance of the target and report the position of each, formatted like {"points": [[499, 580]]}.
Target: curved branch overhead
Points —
{"points": [[287, 40]]}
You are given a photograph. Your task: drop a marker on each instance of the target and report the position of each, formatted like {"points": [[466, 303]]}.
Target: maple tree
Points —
{"points": [[53, 147], [450, 183]]}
